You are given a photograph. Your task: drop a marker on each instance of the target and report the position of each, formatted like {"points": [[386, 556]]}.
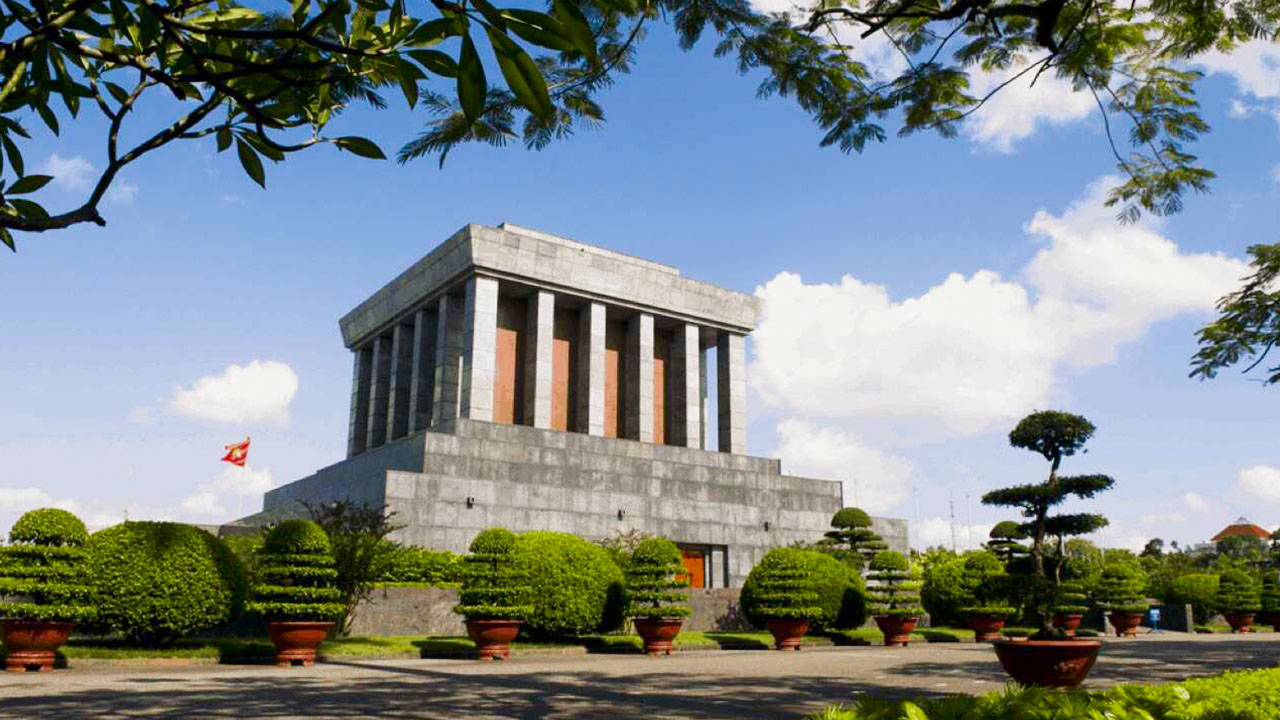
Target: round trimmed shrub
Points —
{"points": [[576, 588], [986, 586], [157, 581], [894, 589], [653, 582], [841, 592], [782, 585], [493, 588], [1120, 588], [42, 570], [1199, 590], [1238, 592], [295, 575], [945, 590]]}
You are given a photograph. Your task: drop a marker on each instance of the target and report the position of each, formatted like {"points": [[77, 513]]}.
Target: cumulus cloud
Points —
{"points": [[1259, 483], [873, 480], [258, 392], [73, 173], [242, 481], [203, 503], [1018, 109], [122, 192], [937, 532], [1195, 502], [972, 353], [23, 499]]}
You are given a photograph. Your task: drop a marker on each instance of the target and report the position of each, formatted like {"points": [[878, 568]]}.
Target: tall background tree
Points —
{"points": [[1248, 324]]}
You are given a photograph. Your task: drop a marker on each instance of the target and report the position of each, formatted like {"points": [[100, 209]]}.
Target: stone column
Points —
{"points": [[448, 360], [539, 336], [637, 423], [685, 379], [357, 431], [589, 383], [402, 343], [704, 411], [479, 349], [731, 371], [422, 385], [379, 389]]}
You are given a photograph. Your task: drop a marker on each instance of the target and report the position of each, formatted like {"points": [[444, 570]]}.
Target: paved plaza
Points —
{"points": [[706, 684]]}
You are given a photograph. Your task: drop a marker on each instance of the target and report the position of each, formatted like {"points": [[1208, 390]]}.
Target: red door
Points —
{"points": [[695, 566]]}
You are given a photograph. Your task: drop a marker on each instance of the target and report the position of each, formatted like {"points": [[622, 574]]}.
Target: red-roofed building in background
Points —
{"points": [[1242, 528]]}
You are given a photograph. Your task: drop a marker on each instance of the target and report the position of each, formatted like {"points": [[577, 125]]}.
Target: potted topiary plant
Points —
{"points": [[1003, 540], [894, 593], [42, 578], [1270, 599], [1239, 599], [1119, 594], [495, 599], [851, 529], [1070, 605], [294, 590], [986, 590], [781, 592], [1050, 658], [654, 600]]}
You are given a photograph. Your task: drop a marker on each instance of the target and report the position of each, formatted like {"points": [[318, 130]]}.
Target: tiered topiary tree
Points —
{"points": [[1070, 603], [893, 591], [295, 590], [782, 593], [1239, 598], [851, 527], [986, 590], [1270, 599], [496, 596], [1004, 541], [1119, 594], [1054, 435], [42, 577], [654, 600]]}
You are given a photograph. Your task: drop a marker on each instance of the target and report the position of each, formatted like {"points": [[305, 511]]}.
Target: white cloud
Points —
{"points": [[1195, 502], [972, 353], [937, 532], [258, 392], [1161, 518], [103, 520], [1255, 66], [23, 499], [242, 481], [73, 173], [1120, 536], [1019, 108], [142, 415], [122, 192], [1259, 483], [203, 503], [873, 480]]}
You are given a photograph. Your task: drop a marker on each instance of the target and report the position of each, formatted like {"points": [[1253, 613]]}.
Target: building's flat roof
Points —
{"points": [[540, 259]]}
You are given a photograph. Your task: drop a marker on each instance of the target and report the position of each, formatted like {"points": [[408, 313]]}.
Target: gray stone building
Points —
{"points": [[516, 378]]}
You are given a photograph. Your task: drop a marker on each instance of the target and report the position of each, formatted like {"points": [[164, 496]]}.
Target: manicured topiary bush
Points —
{"points": [[42, 571], [841, 592], [1120, 589], [1270, 598], [944, 591], [294, 580], [782, 586], [653, 585], [493, 588], [1238, 592], [1003, 541], [1199, 590], [577, 589], [986, 586], [1072, 598], [893, 590], [423, 566], [851, 528], [157, 581]]}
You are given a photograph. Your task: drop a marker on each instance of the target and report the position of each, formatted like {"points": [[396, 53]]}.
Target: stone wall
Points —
{"points": [[429, 611]]}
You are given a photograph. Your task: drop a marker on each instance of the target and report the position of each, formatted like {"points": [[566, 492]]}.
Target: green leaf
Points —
{"points": [[627, 7], [251, 163], [490, 13], [7, 239], [911, 711], [577, 29], [360, 146], [15, 157], [47, 116], [472, 87], [29, 209], [436, 62], [522, 75], [538, 28], [408, 74], [430, 33], [117, 92], [224, 138], [29, 184]]}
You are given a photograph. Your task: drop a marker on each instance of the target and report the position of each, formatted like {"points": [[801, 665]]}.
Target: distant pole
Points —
{"points": [[951, 501]]}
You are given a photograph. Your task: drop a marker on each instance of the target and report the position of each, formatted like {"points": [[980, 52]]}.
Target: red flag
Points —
{"points": [[237, 453]]}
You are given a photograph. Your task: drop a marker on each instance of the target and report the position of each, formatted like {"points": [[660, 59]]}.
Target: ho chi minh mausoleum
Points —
{"points": [[516, 378]]}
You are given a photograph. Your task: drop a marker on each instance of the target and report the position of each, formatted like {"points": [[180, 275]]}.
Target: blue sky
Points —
{"points": [[946, 307]]}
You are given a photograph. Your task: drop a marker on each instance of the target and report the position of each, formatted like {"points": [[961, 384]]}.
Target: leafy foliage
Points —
{"points": [[361, 551], [493, 587], [1269, 600], [577, 589], [1071, 598], [653, 588], [295, 575], [1199, 590], [42, 572], [1238, 592], [1003, 541], [852, 527], [1248, 323], [987, 587], [438, 568], [157, 581], [1120, 588], [782, 585], [893, 587]]}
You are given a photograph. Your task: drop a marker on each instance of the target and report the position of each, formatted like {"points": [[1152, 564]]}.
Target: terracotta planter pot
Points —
{"points": [[1240, 622], [986, 628], [31, 645], [493, 637], [787, 633], [896, 630], [1048, 663], [296, 640], [657, 633], [1068, 622], [1125, 623]]}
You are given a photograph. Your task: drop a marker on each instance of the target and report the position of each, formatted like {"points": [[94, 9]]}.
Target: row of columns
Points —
{"points": [[440, 364]]}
